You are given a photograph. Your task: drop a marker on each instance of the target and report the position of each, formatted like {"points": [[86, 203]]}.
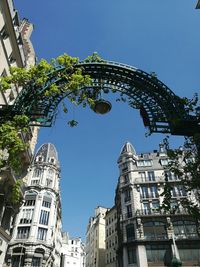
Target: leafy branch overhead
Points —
{"points": [[63, 67]]}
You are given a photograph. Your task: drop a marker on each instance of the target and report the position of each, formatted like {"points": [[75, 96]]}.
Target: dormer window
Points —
{"points": [[144, 163], [164, 162], [52, 160], [40, 158]]}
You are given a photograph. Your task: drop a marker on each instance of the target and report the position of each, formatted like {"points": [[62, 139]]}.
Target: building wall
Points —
{"points": [[73, 252], [148, 236], [36, 237], [95, 239], [111, 238], [12, 53]]}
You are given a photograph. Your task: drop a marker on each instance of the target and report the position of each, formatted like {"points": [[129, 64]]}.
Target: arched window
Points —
{"points": [[154, 230], [30, 198], [185, 229], [130, 232], [47, 199], [18, 257]]}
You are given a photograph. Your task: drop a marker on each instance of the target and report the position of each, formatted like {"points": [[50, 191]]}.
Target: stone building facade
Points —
{"points": [[37, 239], [111, 238], [146, 235], [15, 50], [95, 239], [72, 252]]}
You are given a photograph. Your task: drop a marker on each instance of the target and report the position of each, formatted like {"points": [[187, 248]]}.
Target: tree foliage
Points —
{"points": [[184, 163]]}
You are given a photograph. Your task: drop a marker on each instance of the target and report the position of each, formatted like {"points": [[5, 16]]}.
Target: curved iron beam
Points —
{"points": [[161, 110]]}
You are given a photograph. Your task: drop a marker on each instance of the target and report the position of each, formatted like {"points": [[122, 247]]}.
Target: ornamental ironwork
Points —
{"points": [[161, 110]]}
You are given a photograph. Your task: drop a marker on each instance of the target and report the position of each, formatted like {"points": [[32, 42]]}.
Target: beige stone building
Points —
{"points": [[95, 239]]}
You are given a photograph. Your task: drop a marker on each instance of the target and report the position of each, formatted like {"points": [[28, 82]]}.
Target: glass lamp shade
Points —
{"points": [[102, 106]]}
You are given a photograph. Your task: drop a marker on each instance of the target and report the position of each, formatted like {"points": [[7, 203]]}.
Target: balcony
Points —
{"points": [[156, 237], [152, 212], [153, 180]]}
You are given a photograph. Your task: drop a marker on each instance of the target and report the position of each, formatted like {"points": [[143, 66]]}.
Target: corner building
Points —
{"points": [[147, 236], [37, 239]]}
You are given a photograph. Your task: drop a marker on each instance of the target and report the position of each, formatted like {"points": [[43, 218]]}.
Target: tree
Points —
{"points": [[184, 163]]}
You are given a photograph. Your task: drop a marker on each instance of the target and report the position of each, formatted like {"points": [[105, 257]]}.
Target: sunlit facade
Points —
{"points": [[95, 239], [72, 252], [111, 238], [37, 239], [146, 235]]}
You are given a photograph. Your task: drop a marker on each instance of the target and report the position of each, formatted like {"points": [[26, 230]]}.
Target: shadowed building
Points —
{"points": [[16, 50]]}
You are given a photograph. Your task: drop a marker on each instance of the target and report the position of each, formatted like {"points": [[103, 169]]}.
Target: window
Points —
{"points": [[23, 232], [35, 182], [30, 198], [144, 192], [126, 178], [170, 176], [38, 173], [159, 253], [127, 195], [17, 260], [142, 175], [144, 163], [129, 211], [131, 255], [26, 216], [29, 202], [181, 191], [164, 162], [36, 262], [130, 232], [146, 208], [154, 191], [185, 229], [46, 204], [42, 233], [151, 176], [189, 252], [44, 217], [154, 230]]}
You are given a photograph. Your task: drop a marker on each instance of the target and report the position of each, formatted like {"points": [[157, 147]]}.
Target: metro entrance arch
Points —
{"points": [[162, 111]]}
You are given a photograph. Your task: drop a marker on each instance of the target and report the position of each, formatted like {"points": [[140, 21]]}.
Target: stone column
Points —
{"points": [[141, 256], [36, 216], [125, 257]]}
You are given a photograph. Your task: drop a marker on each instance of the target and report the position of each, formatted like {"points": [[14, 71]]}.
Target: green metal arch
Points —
{"points": [[161, 110]]}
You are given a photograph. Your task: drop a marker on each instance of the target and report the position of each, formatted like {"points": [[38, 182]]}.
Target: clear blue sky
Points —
{"points": [[153, 35]]}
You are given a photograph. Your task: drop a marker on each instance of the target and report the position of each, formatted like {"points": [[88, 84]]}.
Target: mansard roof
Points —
{"points": [[47, 152], [128, 148]]}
